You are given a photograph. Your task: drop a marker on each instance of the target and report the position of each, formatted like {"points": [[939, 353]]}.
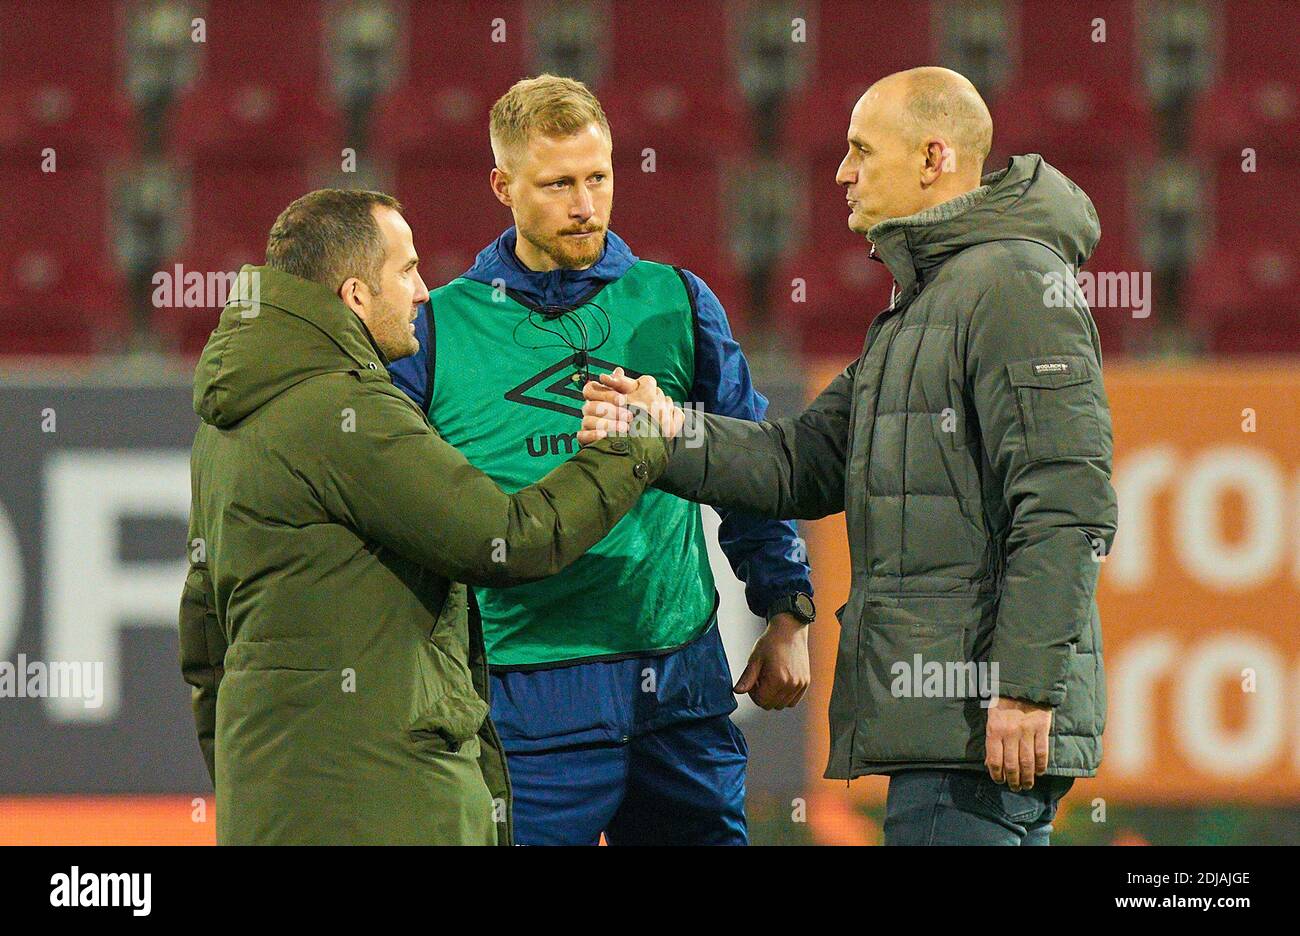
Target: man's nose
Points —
{"points": [[421, 291], [582, 207], [845, 174]]}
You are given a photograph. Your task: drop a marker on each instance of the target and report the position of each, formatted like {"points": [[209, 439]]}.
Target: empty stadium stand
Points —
{"points": [[248, 105]]}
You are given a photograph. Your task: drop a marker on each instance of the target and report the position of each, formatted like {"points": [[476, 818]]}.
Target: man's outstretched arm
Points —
{"points": [[786, 469], [397, 483]]}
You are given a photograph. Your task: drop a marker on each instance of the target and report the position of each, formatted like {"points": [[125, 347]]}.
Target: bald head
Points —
{"points": [[916, 138], [939, 102]]}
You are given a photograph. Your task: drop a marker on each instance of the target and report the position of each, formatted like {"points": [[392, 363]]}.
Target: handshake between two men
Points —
{"points": [[778, 673], [612, 405], [1017, 733]]}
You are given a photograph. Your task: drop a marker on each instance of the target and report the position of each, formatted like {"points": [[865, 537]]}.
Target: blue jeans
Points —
{"points": [[965, 807]]}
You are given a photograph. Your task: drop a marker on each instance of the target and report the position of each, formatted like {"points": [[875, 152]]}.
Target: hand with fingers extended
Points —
{"points": [[612, 403]]}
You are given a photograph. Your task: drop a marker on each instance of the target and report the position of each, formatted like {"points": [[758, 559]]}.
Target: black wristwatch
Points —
{"points": [[798, 604]]}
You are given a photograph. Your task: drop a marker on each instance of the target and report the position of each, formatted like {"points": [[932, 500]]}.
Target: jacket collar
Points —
{"points": [[498, 262], [318, 304], [276, 331], [894, 238], [1028, 200]]}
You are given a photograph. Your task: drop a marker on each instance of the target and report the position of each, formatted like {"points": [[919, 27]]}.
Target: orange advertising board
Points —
{"points": [[1199, 597], [107, 820]]}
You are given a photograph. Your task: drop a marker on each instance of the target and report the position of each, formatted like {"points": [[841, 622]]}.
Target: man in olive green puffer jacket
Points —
{"points": [[337, 663], [970, 449]]}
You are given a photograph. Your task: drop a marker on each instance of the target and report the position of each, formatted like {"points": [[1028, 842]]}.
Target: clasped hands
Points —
{"points": [[608, 410], [777, 673]]}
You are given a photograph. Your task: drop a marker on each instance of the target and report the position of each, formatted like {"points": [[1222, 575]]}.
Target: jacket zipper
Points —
{"points": [[878, 324]]}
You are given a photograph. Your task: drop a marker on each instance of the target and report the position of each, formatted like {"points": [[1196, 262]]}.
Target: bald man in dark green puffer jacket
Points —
{"points": [[969, 447]]}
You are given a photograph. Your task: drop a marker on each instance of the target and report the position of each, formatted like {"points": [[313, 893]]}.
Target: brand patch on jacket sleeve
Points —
{"points": [[1051, 367]]}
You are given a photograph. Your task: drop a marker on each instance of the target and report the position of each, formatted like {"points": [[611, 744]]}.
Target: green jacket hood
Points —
{"points": [[1028, 200], [276, 331]]}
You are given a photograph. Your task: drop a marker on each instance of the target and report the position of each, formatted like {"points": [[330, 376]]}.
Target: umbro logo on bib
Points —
{"points": [[559, 387]]}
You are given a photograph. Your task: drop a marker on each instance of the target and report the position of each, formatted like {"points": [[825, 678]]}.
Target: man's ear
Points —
{"points": [[355, 295], [940, 158], [500, 185]]}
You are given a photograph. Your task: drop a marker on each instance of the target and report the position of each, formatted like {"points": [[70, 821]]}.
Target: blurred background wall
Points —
{"points": [[147, 145]]}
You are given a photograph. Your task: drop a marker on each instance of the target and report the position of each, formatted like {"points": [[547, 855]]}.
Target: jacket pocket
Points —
{"points": [[449, 723], [921, 681], [448, 710], [1018, 807], [1075, 715], [1057, 406]]}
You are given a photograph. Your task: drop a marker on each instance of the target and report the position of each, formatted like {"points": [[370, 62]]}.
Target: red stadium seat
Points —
{"points": [[1056, 41], [61, 83], [61, 87], [466, 43], [280, 44], [1075, 119], [693, 110], [1245, 297], [855, 42], [63, 292], [256, 124], [675, 120], [829, 293], [262, 97], [447, 125], [678, 215], [1263, 203], [678, 207], [1259, 39], [828, 288], [452, 212], [1242, 294], [84, 124], [1262, 114], [454, 72], [231, 212], [72, 44]]}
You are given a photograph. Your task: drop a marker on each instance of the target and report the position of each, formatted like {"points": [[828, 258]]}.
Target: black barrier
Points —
{"points": [[94, 492]]}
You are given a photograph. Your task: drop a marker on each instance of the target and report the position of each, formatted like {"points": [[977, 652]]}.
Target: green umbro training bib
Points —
{"points": [[506, 390]]}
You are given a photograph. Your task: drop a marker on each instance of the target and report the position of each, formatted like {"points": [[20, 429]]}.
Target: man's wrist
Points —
{"points": [[798, 605], [650, 450]]}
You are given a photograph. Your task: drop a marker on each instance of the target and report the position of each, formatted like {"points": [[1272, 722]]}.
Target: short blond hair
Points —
{"points": [[548, 104]]}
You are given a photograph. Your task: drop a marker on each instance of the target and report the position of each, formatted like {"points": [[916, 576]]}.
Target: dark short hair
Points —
{"points": [[329, 235]]}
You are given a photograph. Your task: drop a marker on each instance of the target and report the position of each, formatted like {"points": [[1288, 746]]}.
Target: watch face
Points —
{"points": [[804, 606]]}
